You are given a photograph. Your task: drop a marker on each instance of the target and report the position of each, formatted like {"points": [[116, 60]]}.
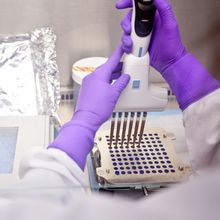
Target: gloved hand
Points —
{"points": [[188, 79], [166, 46], [96, 102]]}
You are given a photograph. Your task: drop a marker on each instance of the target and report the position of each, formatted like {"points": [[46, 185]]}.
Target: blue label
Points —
{"points": [[136, 84]]}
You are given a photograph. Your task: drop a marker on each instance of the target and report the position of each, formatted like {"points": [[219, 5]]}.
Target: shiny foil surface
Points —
{"points": [[29, 77]]}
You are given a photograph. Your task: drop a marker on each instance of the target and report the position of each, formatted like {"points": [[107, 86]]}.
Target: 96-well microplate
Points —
{"points": [[151, 160]]}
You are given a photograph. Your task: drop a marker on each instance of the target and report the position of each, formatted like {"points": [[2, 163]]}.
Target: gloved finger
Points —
{"points": [[127, 41], [112, 63], [115, 76], [157, 27], [122, 4], [121, 83], [165, 11], [126, 22], [127, 50], [118, 68], [157, 21]]}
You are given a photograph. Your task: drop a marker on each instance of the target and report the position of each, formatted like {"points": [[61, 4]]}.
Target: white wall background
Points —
{"points": [[91, 27]]}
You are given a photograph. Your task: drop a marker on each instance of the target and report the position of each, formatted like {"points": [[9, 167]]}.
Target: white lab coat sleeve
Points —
{"points": [[51, 168], [202, 126]]}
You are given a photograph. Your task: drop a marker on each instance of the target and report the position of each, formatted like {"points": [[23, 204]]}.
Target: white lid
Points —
{"points": [[84, 67]]}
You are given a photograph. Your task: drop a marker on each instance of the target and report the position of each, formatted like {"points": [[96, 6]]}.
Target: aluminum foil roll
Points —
{"points": [[29, 77]]}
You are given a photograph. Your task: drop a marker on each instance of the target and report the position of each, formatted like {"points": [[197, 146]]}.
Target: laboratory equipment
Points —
{"points": [[86, 66], [152, 164], [17, 136], [128, 155], [140, 95], [150, 160]]}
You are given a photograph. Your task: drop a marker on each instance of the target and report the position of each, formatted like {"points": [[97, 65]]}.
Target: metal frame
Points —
{"points": [[179, 171]]}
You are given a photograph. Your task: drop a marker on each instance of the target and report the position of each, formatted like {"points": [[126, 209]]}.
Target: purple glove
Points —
{"points": [[96, 102], [187, 77]]}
